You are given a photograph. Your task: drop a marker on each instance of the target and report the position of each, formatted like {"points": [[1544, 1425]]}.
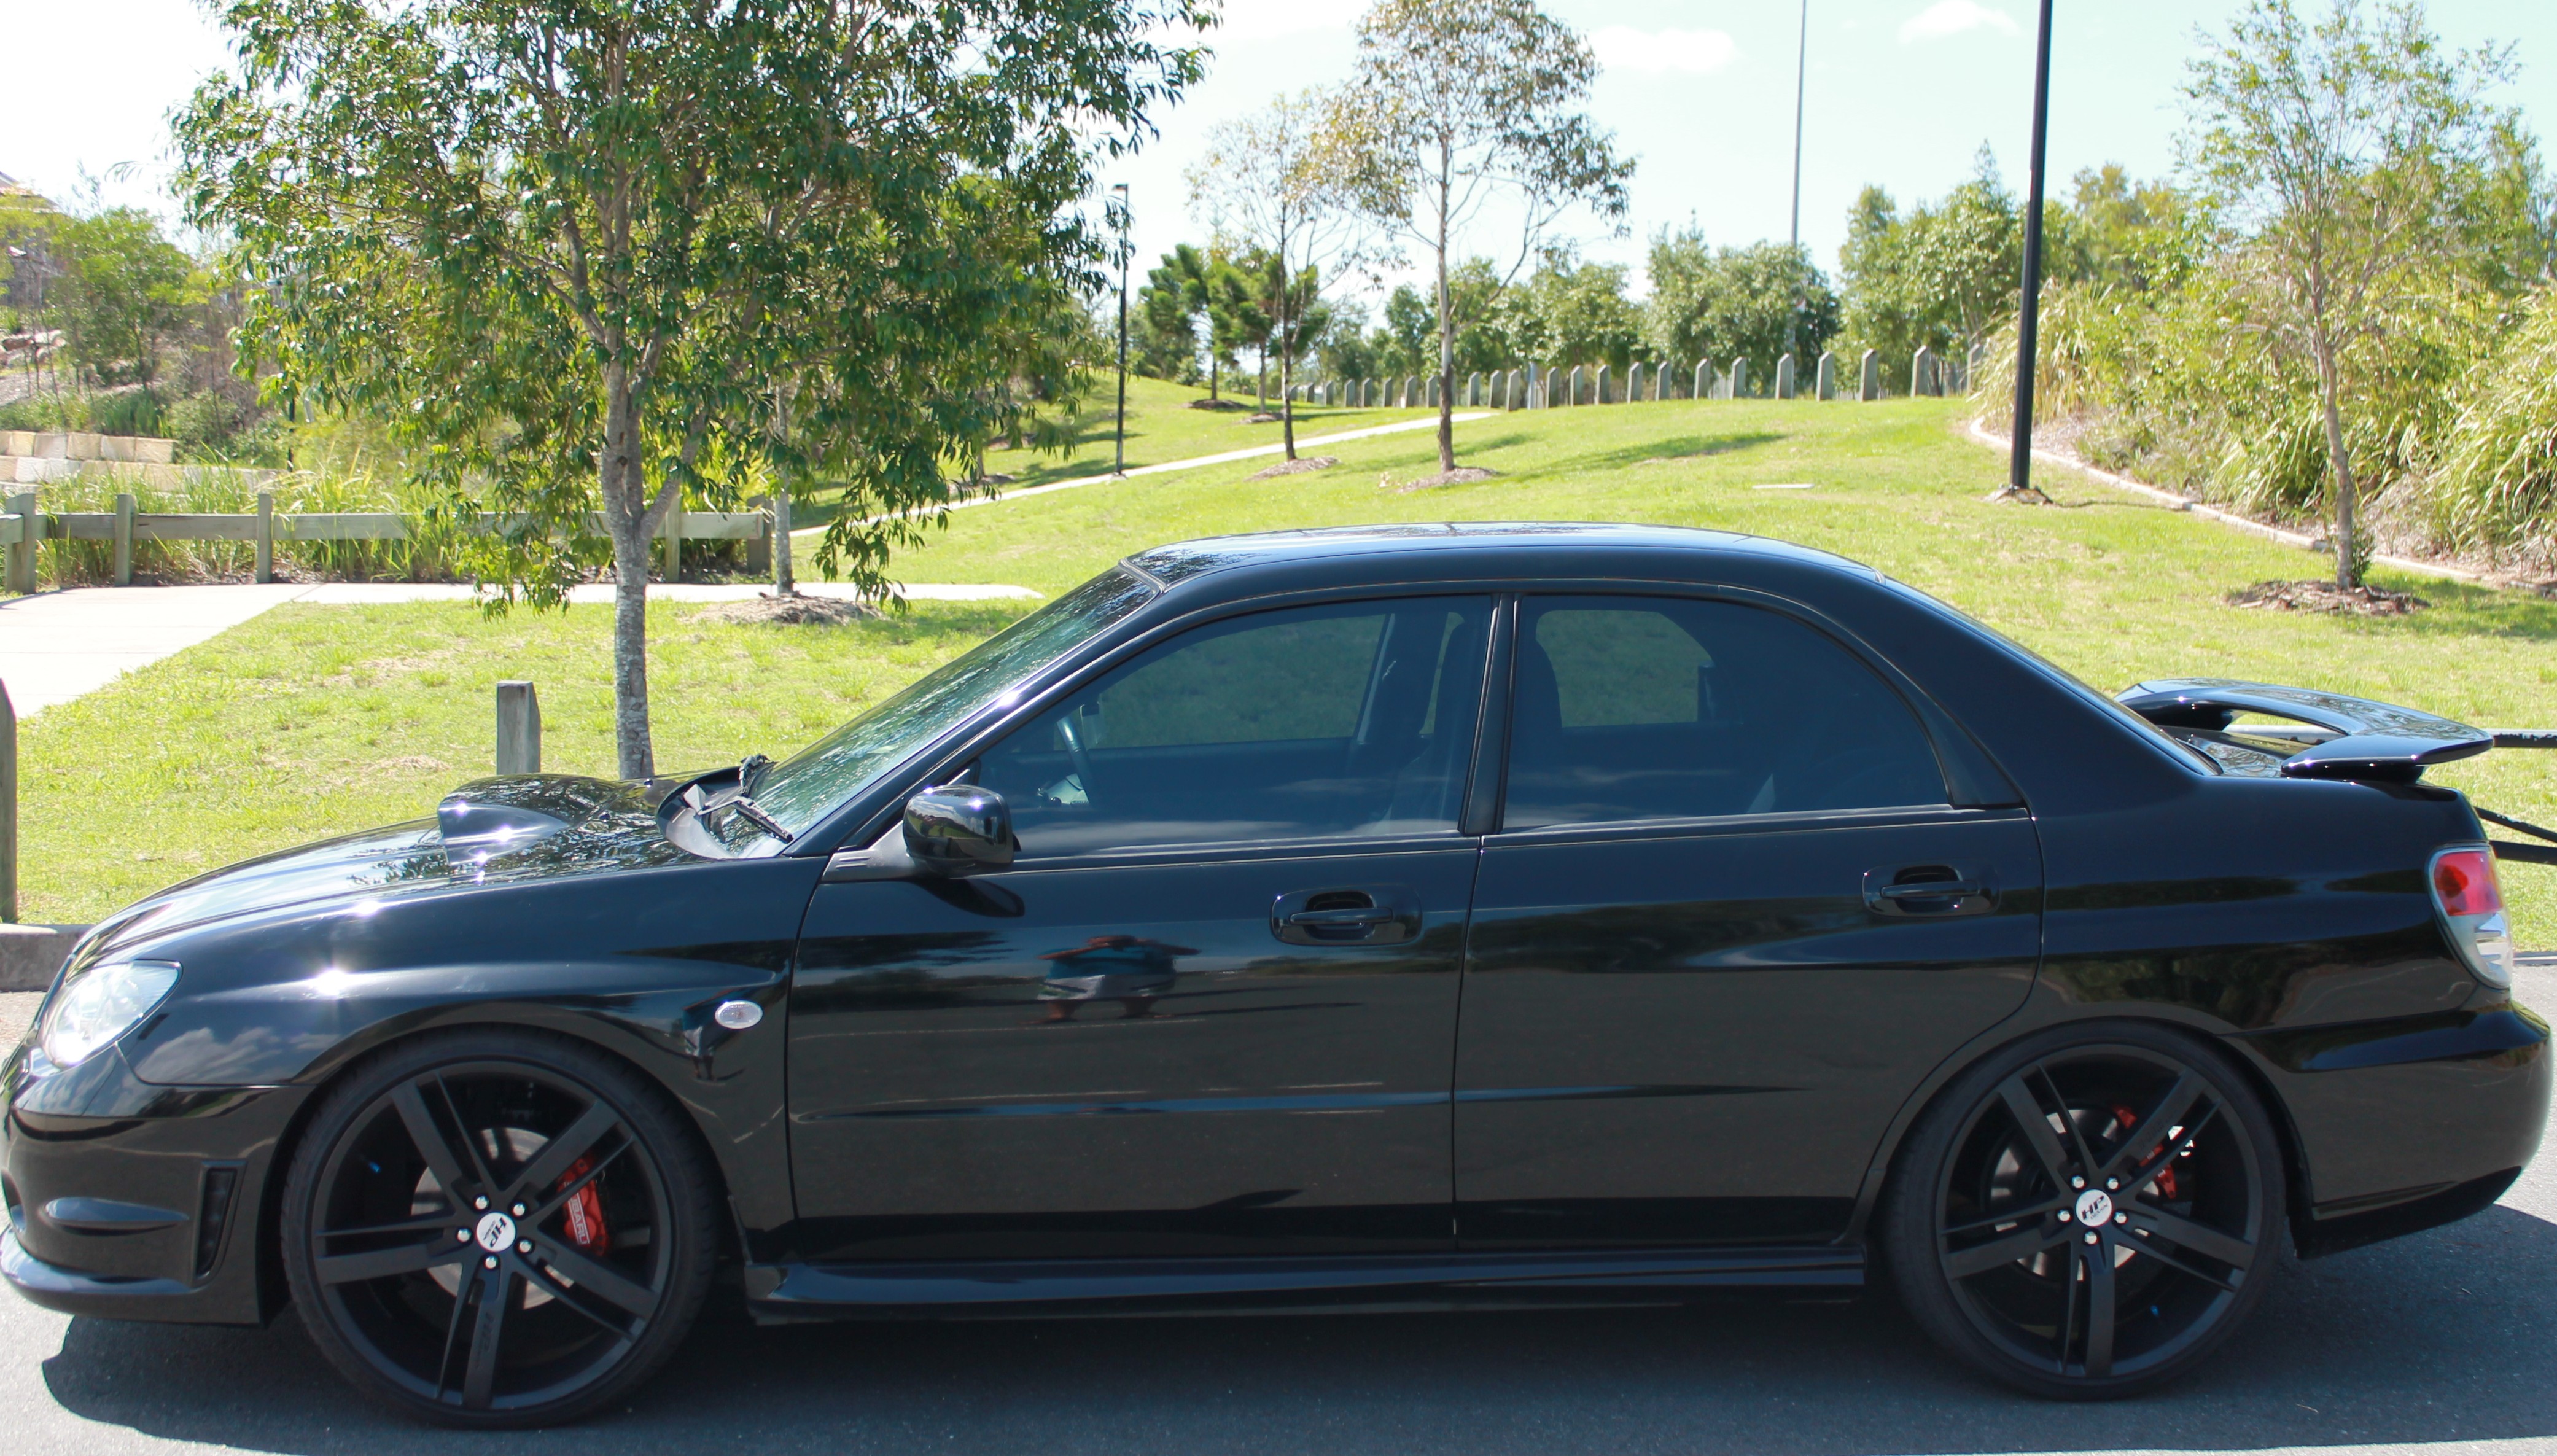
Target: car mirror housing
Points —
{"points": [[959, 829]]}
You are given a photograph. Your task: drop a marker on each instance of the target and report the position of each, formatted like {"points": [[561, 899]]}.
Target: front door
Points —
{"points": [[1210, 1009], [1728, 922]]}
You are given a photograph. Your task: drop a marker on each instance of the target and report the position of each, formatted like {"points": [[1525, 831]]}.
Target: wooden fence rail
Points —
{"points": [[23, 526]]}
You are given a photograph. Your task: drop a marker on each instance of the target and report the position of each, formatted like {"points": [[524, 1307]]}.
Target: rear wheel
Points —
{"points": [[498, 1227], [2088, 1214]]}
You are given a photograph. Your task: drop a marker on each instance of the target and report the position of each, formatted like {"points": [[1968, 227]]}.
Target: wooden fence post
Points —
{"points": [[784, 582], [124, 540], [266, 536], [22, 555], [759, 549], [519, 729], [675, 543], [8, 808]]}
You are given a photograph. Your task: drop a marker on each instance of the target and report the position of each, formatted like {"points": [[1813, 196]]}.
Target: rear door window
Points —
{"points": [[1661, 708]]}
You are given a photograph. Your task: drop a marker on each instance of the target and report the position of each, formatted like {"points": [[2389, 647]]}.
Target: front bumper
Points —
{"points": [[130, 1201]]}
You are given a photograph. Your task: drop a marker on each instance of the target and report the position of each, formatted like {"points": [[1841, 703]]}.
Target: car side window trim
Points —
{"points": [[1722, 826], [1972, 780]]}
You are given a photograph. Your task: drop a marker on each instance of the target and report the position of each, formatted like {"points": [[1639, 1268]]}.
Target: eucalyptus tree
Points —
{"points": [[1477, 101], [2340, 150], [1284, 181], [589, 253]]}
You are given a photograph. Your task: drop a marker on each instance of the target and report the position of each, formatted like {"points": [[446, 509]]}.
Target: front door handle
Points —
{"points": [[1927, 892], [1350, 915]]}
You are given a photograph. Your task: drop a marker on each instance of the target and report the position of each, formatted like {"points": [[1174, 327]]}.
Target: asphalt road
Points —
{"points": [[2444, 1341]]}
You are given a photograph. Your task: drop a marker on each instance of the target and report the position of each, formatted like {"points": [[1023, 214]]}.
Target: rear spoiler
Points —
{"points": [[2346, 737]]}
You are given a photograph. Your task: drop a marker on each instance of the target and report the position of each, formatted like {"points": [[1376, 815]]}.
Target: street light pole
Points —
{"points": [[1118, 205], [2019, 469], [1802, 73]]}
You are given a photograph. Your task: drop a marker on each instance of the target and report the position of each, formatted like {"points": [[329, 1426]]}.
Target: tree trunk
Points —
{"points": [[1211, 374], [1286, 404], [2348, 573], [1446, 323], [625, 518]]}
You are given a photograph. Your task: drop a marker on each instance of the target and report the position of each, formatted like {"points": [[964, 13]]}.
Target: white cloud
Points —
{"points": [[1954, 18], [1622, 48]]}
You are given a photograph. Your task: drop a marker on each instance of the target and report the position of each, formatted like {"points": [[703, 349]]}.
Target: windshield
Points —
{"points": [[852, 758]]}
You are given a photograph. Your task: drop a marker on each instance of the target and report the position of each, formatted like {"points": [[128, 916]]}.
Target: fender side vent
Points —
{"points": [[213, 1216]]}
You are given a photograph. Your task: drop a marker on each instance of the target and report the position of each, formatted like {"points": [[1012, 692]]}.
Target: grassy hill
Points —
{"points": [[318, 719]]}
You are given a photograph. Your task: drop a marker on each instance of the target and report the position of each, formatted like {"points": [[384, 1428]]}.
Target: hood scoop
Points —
{"points": [[491, 817]]}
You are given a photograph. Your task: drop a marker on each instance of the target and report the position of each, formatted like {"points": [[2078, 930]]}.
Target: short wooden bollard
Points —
{"points": [[124, 540], [22, 555], [519, 729], [759, 549]]}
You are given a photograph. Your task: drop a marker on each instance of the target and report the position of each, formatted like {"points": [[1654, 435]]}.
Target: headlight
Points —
{"points": [[100, 1005]]}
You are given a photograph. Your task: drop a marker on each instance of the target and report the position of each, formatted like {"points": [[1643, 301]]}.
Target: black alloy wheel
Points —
{"points": [[496, 1228], [2088, 1214]]}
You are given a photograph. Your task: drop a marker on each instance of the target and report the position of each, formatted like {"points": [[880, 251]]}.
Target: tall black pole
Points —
{"points": [[1802, 73], [2019, 469], [1119, 456]]}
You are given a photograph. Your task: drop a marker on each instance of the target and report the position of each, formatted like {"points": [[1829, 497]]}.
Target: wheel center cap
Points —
{"points": [[2094, 1208], [495, 1230]]}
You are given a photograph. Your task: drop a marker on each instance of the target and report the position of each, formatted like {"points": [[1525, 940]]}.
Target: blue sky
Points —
{"points": [[1902, 92]]}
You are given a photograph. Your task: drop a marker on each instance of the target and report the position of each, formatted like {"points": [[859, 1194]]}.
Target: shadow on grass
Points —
{"points": [[1684, 447]]}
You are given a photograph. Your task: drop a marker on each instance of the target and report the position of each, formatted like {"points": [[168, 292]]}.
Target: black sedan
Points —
{"points": [[1355, 918]]}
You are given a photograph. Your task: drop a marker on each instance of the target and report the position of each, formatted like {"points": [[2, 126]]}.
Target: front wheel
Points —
{"points": [[496, 1228], [2089, 1213]]}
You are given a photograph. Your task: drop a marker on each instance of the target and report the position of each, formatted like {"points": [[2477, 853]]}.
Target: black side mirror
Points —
{"points": [[959, 829]]}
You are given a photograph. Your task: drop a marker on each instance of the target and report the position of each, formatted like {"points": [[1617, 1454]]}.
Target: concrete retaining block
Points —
{"points": [[31, 954]]}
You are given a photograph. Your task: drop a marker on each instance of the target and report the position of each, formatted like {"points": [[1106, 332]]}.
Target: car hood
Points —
{"points": [[494, 830]]}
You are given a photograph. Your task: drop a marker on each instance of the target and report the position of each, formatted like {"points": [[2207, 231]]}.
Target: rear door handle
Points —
{"points": [[1933, 890], [1349, 915]]}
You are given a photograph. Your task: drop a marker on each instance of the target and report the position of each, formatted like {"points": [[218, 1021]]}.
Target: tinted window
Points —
{"points": [[1349, 719], [1632, 708]]}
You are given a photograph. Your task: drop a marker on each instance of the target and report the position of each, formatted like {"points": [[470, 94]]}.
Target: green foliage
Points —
{"points": [[2498, 484], [1571, 312], [1944, 277], [1755, 301], [615, 258], [126, 292]]}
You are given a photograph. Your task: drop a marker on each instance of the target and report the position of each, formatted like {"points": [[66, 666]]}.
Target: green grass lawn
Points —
{"points": [[282, 729], [1161, 428]]}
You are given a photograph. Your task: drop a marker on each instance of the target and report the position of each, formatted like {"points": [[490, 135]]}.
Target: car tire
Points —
{"points": [[1984, 1229], [498, 1227]]}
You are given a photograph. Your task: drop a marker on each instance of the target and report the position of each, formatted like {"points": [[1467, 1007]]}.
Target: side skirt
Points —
{"points": [[1013, 1289]]}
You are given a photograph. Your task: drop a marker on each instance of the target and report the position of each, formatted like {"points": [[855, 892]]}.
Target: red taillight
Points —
{"points": [[2464, 882]]}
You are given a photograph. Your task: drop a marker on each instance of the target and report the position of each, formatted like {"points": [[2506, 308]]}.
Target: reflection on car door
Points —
{"points": [[1211, 1008], [1728, 923]]}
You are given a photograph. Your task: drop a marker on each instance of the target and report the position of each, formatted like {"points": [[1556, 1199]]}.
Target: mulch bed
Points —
{"points": [[1461, 476], [794, 611], [2327, 597], [1302, 466], [1218, 404], [1262, 418]]}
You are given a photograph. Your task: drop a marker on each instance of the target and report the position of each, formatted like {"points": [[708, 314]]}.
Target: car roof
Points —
{"points": [[1493, 545]]}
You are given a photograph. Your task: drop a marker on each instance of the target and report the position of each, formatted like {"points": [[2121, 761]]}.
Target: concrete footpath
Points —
{"points": [[57, 645]]}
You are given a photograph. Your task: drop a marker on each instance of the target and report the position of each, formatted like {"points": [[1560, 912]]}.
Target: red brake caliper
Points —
{"points": [[2166, 1175], [584, 1212]]}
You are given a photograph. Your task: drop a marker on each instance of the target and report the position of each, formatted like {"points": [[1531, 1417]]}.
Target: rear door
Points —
{"points": [[1728, 923]]}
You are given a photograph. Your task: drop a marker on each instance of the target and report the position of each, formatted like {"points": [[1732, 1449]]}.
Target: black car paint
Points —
{"points": [[2288, 919]]}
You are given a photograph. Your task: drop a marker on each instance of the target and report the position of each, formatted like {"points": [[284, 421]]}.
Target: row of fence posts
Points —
{"points": [[1534, 386], [768, 551]]}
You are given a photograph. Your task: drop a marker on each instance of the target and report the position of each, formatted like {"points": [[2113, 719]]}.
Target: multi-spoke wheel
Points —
{"points": [[496, 1228], [2088, 1214]]}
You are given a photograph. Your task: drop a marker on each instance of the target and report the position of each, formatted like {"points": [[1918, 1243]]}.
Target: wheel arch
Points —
{"points": [[2192, 1026], [350, 1057]]}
